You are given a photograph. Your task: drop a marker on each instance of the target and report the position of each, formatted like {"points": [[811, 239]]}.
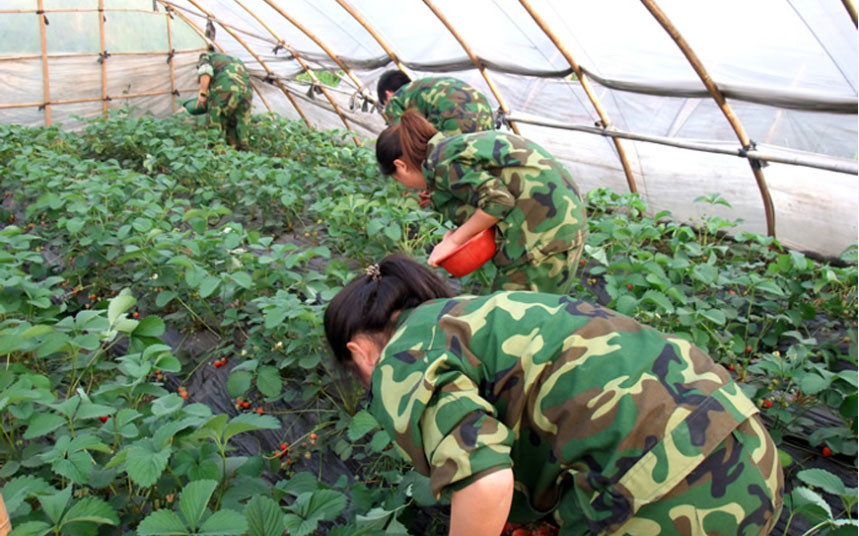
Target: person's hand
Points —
{"points": [[201, 101], [444, 248], [424, 199]]}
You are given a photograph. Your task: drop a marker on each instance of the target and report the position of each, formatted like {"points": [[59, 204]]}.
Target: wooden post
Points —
{"points": [[301, 62], [171, 54], [318, 42], [103, 47], [851, 9], [475, 60], [719, 97], [202, 34], [382, 43], [583, 79], [46, 85]]}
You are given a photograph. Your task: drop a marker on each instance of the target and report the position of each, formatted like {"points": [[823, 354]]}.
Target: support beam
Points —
{"points": [[170, 55], [583, 79], [103, 59], [202, 35], [283, 43], [719, 97], [382, 43], [318, 42], [851, 9], [475, 60], [46, 85]]}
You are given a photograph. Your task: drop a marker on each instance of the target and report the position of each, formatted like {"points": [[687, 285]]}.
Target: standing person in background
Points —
{"points": [[450, 105], [494, 178], [524, 405], [225, 89]]}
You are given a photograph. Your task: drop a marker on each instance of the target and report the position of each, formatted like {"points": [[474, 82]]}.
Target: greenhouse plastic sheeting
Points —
{"points": [[788, 71]]}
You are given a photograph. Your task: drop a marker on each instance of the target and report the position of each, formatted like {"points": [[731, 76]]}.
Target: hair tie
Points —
{"points": [[373, 272]]}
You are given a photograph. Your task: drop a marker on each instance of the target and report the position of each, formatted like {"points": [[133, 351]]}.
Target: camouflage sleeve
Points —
{"points": [[485, 191], [441, 423], [394, 110], [204, 66]]}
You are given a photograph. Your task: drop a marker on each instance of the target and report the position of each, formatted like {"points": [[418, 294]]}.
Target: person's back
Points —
{"points": [[450, 105], [228, 69]]}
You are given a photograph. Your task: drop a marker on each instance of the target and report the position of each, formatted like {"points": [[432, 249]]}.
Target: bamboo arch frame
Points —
{"points": [[202, 34], [851, 9], [372, 31], [46, 84], [717, 95], [583, 79], [318, 42], [301, 62], [474, 59]]}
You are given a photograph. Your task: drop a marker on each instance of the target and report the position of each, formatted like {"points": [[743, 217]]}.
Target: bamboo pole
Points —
{"points": [[202, 35], [46, 85], [304, 65], [382, 43], [103, 47], [851, 9], [72, 10], [475, 60], [95, 54], [586, 86], [259, 60], [93, 99], [171, 54], [719, 97], [813, 161], [318, 42]]}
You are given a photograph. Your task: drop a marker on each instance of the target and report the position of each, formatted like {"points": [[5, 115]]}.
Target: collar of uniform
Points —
{"points": [[428, 166]]}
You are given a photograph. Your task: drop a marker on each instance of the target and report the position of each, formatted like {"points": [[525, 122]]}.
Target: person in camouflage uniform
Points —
{"points": [[494, 178], [225, 90], [450, 105], [568, 409]]}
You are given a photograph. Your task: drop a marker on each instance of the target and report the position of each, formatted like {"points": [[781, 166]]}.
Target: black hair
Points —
{"points": [[367, 303], [406, 140], [391, 81]]}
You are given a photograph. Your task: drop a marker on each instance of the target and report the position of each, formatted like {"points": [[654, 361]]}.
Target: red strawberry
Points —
{"points": [[260, 411], [629, 286], [103, 418], [731, 368], [827, 452], [748, 349], [284, 446], [136, 314], [768, 404]]}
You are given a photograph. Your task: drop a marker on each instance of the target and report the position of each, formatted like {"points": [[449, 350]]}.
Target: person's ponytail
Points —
{"points": [[367, 303], [406, 140]]}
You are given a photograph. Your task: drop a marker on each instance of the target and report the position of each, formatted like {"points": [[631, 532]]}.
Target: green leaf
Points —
{"points": [[43, 424], [224, 522], [660, 299], [162, 523], [714, 315], [626, 304], [810, 505], [249, 421], [164, 298], [31, 528], [361, 424], [785, 459], [208, 286], [264, 517], [238, 383], [770, 287], [120, 304], [269, 382], [74, 225], [54, 505], [89, 410], [812, 383], [151, 326], [380, 440], [92, 509], [826, 481], [144, 464], [167, 405], [242, 278], [195, 496]]}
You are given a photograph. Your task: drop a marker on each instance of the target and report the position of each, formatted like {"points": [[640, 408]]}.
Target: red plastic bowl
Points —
{"points": [[471, 255]]}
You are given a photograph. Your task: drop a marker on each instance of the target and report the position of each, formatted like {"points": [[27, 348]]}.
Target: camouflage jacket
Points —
{"points": [[226, 71], [452, 106], [510, 178], [570, 395]]}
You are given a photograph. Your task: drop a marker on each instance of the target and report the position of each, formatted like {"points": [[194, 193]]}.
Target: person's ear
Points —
{"points": [[388, 95], [357, 351], [400, 166]]}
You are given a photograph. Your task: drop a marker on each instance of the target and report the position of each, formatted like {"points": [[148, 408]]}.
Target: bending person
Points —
{"points": [[450, 105], [525, 405], [225, 90], [494, 178]]}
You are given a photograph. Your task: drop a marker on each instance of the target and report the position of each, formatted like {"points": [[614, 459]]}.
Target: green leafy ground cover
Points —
{"points": [[134, 228]]}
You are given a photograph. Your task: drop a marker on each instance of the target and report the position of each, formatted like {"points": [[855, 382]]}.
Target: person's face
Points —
{"points": [[409, 176]]}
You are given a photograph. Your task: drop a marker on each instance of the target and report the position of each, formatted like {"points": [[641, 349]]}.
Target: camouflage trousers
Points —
{"points": [[737, 489], [230, 111], [554, 274]]}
